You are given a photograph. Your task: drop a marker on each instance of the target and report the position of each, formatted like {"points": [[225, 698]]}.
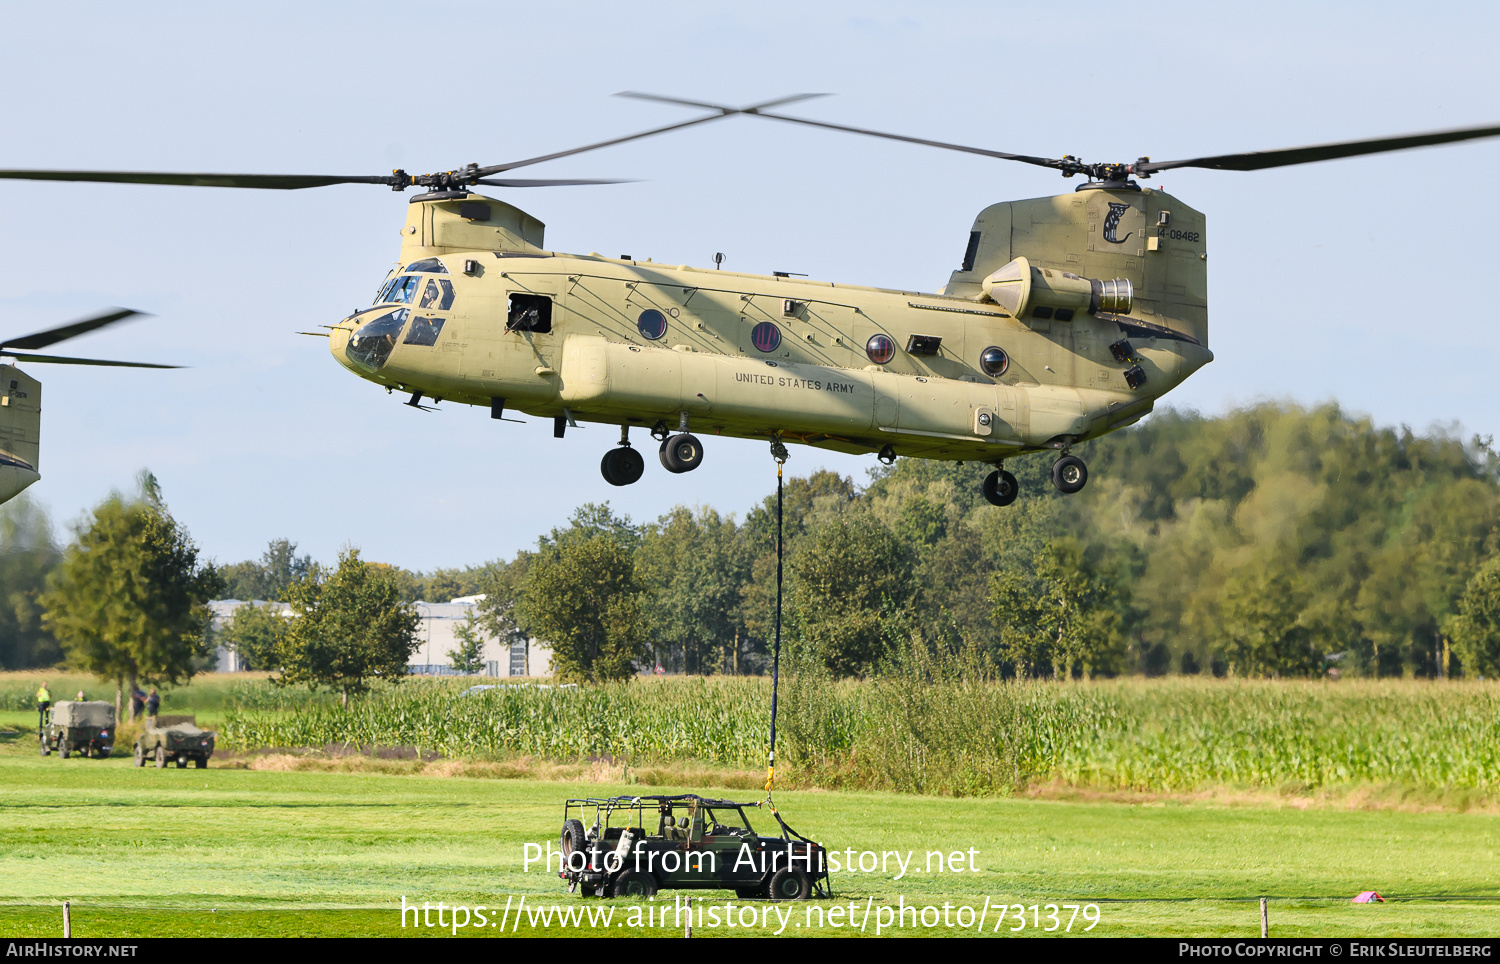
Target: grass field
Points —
{"points": [[235, 852]]}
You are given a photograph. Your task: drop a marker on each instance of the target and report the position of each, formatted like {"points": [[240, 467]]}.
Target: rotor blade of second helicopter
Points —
{"points": [[65, 360], [273, 182], [52, 336], [1259, 160]]}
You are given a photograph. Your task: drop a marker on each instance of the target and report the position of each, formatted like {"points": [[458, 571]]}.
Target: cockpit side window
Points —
{"points": [[428, 264], [529, 313], [424, 330], [437, 294]]}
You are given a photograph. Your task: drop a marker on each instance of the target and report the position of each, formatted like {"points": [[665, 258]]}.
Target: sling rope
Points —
{"points": [[779, 453]]}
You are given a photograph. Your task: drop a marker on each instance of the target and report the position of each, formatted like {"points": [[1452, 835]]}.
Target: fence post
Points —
{"points": [[67, 921], [1265, 924]]}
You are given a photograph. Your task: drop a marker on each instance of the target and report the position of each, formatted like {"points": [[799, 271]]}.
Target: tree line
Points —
{"points": [[1272, 541]]}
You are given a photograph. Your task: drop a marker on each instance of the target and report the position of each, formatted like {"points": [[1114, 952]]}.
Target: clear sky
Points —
{"points": [[1367, 281]]}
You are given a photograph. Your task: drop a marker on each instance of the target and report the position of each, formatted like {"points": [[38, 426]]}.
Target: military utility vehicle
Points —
{"points": [[635, 846], [75, 726], [181, 741]]}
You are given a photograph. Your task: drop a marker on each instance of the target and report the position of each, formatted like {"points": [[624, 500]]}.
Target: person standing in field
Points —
{"points": [[43, 704], [153, 703], [79, 697], [137, 702]]}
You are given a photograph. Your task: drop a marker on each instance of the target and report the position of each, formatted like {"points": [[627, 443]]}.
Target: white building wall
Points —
{"points": [[436, 633]]}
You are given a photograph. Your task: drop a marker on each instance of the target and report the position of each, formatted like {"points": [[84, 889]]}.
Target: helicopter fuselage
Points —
{"points": [[481, 313]]}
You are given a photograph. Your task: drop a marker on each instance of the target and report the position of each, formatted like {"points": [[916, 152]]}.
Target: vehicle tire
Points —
{"points": [[1069, 474], [641, 886], [66, 751], [682, 453], [573, 838], [140, 756], [622, 466], [161, 758], [1000, 488], [790, 883], [201, 763], [46, 750]]}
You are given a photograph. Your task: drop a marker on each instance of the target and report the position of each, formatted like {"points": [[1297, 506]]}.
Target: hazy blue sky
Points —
{"points": [[1370, 282]]}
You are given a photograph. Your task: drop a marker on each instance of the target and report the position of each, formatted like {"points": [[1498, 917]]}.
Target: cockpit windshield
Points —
{"points": [[432, 265], [437, 293], [399, 290]]}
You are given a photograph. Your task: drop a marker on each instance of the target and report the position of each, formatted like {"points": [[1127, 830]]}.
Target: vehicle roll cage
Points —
{"points": [[605, 807]]}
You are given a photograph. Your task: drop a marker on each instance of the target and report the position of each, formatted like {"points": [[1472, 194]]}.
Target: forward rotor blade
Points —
{"points": [[512, 165], [681, 102], [65, 360], [543, 182], [271, 182], [1259, 160], [52, 336], [758, 111]]}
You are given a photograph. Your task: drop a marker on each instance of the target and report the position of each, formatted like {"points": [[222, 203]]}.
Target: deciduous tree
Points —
{"points": [[130, 599], [583, 597], [348, 628]]}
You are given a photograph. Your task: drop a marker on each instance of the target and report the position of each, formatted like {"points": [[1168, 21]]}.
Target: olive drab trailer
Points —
{"points": [[1068, 317], [83, 727]]}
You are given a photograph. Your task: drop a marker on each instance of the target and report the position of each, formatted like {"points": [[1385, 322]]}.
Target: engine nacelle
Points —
{"points": [[1020, 287]]}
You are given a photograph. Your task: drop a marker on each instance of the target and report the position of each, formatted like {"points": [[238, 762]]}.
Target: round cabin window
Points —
{"points": [[880, 348], [765, 337], [652, 324], [994, 361]]}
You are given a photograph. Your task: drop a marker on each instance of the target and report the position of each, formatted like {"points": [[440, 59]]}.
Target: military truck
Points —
{"points": [[175, 738], [74, 726], [636, 846]]}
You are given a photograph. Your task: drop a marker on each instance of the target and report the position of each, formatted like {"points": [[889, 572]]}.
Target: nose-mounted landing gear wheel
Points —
{"points": [[1069, 474], [624, 465], [1000, 488]]}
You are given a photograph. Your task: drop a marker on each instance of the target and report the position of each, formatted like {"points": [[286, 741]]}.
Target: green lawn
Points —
{"points": [[241, 852]]}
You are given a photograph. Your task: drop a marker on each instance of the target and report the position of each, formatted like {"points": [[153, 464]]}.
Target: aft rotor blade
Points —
{"points": [[271, 182], [543, 182], [758, 111], [1259, 160], [52, 336], [65, 360]]}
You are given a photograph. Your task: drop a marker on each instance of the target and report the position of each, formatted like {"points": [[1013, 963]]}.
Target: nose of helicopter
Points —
{"points": [[363, 342]]}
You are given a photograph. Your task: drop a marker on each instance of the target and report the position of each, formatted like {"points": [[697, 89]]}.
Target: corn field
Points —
{"points": [[949, 735]]}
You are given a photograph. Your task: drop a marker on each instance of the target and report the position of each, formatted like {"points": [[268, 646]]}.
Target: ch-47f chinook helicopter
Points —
{"points": [[21, 395], [1068, 318]]}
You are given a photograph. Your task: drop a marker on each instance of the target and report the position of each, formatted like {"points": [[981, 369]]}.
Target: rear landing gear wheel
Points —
{"points": [[681, 453], [622, 466], [1069, 474], [1000, 488]]}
